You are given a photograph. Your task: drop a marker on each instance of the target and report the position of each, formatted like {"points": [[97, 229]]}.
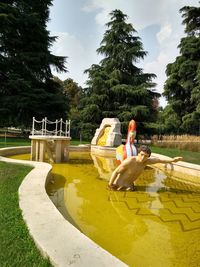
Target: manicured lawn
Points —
{"points": [[188, 156], [10, 141], [17, 248]]}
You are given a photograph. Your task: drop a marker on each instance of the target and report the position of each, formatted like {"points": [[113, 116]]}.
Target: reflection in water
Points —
{"points": [[157, 225], [104, 165]]}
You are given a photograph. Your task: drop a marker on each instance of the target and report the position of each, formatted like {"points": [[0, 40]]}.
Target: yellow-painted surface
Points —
{"points": [[102, 140], [157, 225]]}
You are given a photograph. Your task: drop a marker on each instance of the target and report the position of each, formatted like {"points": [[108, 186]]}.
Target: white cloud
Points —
{"points": [[164, 33], [80, 57], [67, 44], [158, 66], [140, 13]]}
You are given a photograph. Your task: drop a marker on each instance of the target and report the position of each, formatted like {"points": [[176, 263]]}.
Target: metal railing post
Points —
{"points": [[33, 126], [69, 129], [60, 127], [42, 126], [45, 125], [56, 127]]}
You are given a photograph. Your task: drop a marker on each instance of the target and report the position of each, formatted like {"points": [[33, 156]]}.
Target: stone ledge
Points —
{"points": [[190, 172], [8, 151], [81, 148], [103, 150]]}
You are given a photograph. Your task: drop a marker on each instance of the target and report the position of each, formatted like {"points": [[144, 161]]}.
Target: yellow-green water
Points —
{"points": [[154, 226]]}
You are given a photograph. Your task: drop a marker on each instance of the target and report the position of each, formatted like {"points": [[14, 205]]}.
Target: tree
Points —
{"points": [[73, 93], [168, 122], [27, 87], [182, 87], [115, 86]]}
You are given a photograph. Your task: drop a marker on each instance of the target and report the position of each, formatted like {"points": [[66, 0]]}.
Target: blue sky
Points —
{"points": [[80, 25]]}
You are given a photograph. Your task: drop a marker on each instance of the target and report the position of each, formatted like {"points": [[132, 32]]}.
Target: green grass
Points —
{"points": [[77, 142], [188, 156], [16, 246], [11, 141]]}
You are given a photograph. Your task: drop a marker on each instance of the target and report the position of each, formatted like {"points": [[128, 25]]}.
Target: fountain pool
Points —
{"points": [[157, 225]]}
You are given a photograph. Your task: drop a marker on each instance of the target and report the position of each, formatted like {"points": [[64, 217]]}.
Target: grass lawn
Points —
{"points": [[10, 141], [188, 156], [17, 248]]}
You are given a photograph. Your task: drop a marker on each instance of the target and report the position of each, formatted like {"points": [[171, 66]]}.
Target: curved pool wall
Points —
{"points": [[56, 238]]}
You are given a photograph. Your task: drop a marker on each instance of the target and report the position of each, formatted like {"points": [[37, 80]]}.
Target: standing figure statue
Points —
{"points": [[128, 150]]}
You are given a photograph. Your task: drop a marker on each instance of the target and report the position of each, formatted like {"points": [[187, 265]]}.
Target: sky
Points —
{"points": [[80, 26]]}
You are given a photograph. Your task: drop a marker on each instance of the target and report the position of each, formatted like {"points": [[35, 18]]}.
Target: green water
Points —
{"points": [[157, 225]]}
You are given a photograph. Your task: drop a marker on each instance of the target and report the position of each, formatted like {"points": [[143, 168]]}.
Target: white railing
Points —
{"points": [[62, 128]]}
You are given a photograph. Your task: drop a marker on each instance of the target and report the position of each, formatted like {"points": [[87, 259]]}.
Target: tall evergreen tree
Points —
{"points": [[182, 87], [116, 87], [27, 87]]}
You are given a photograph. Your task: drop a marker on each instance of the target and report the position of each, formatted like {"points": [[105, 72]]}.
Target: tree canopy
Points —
{"points": [[27, 87], [73, 92], [116, 87], [182, 87]]}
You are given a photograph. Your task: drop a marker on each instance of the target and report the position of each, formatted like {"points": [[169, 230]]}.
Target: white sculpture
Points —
{"points": [[109, 133]]}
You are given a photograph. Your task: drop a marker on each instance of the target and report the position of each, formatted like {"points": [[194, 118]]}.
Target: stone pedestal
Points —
{"points": [[55, 147]]}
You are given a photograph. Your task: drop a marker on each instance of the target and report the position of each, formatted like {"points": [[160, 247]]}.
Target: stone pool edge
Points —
{"points": [[180, 166], [55, 237]]}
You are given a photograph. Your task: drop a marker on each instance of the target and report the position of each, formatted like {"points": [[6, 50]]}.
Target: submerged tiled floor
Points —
{"points": [[172, 207]]}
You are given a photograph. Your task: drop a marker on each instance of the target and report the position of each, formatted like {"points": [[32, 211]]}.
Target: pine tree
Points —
{"points": [[27, 87], [116, 86], [182, 87]]}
